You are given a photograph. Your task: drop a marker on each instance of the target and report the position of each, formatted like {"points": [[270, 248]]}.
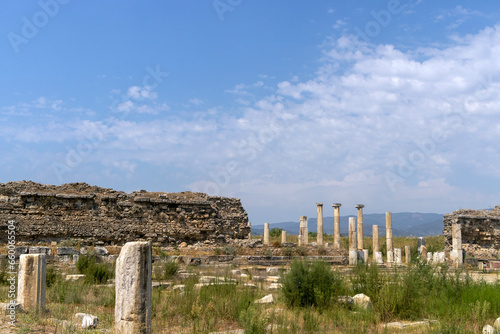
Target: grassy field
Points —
{"points": [[307, 302]]}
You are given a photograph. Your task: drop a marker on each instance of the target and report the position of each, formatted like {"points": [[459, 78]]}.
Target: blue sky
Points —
{"points": [[394, 104]]}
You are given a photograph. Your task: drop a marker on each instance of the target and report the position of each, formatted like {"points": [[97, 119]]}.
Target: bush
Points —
{"points": [[170, 269], [95, 273], [275, 232], [52, 276], [311, 284]]}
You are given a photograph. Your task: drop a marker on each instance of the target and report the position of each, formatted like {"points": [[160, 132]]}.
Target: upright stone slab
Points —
{"points": [[423, 253], [353, 253], [283, 237], [133, 289], [319, 220], [266, 234], [456, 254], [378, 258], [360, 226], [32, 281], [407, 254], [397, 256], [336, 225]]}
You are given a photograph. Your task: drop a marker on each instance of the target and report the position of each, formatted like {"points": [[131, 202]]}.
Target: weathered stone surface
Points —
{"points": [[101, 251], [86, 320], [319, 223], [266, 234], [133, 289], [362, 301], [32, 281], [40, 250], [480, 231], [94, 215], [265, 300], [488, 329], [67, 251], [496, 325], [378, 258], [397, 256]]}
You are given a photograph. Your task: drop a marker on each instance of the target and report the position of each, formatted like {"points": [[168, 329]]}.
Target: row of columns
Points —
{"points": [[356, 247]]}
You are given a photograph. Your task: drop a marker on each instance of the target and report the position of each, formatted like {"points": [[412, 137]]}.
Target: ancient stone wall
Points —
{"points": [[480, 231], [94, 214]]}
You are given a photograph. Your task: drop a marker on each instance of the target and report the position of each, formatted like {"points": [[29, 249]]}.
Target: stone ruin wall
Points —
{"points": [[480, 231], [93, 214]]}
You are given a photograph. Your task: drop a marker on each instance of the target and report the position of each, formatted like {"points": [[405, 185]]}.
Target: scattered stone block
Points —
{"points": [[66, 251], [362, 301], [275, 286], [496, 325], [86, 320], [101, 251], [273, 270], [21, 250], [265, 300], [488, 329], [40, 250], [179, 287], [75, 277], [273, 279]]}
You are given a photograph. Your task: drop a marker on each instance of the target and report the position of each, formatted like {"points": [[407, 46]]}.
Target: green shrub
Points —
{"points": [[95, 272], [311, 284], [275, 232], [170, 269], [52, 276]]}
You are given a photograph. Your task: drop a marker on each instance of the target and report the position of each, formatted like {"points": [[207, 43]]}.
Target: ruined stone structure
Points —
{"points": [[94, 214], [480, 231]]}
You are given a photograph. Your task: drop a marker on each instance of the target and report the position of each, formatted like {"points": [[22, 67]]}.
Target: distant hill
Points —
{"points": [[403, 224]]}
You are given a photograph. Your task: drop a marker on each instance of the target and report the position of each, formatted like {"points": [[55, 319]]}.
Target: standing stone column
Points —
{"points": [[360, 226], [283, 237], [32, 281], [319, 235], [388, 234], [133, 289], [266, 233], [457, 253], [377, 254], [353, 253], [336, 225], [376, 247], [304, 233], [250, 229], [408, 254]]}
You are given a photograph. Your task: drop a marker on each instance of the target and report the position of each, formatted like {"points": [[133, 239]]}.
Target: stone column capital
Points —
{"points": [[359, 206], [336, 205], [319, 204]]}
